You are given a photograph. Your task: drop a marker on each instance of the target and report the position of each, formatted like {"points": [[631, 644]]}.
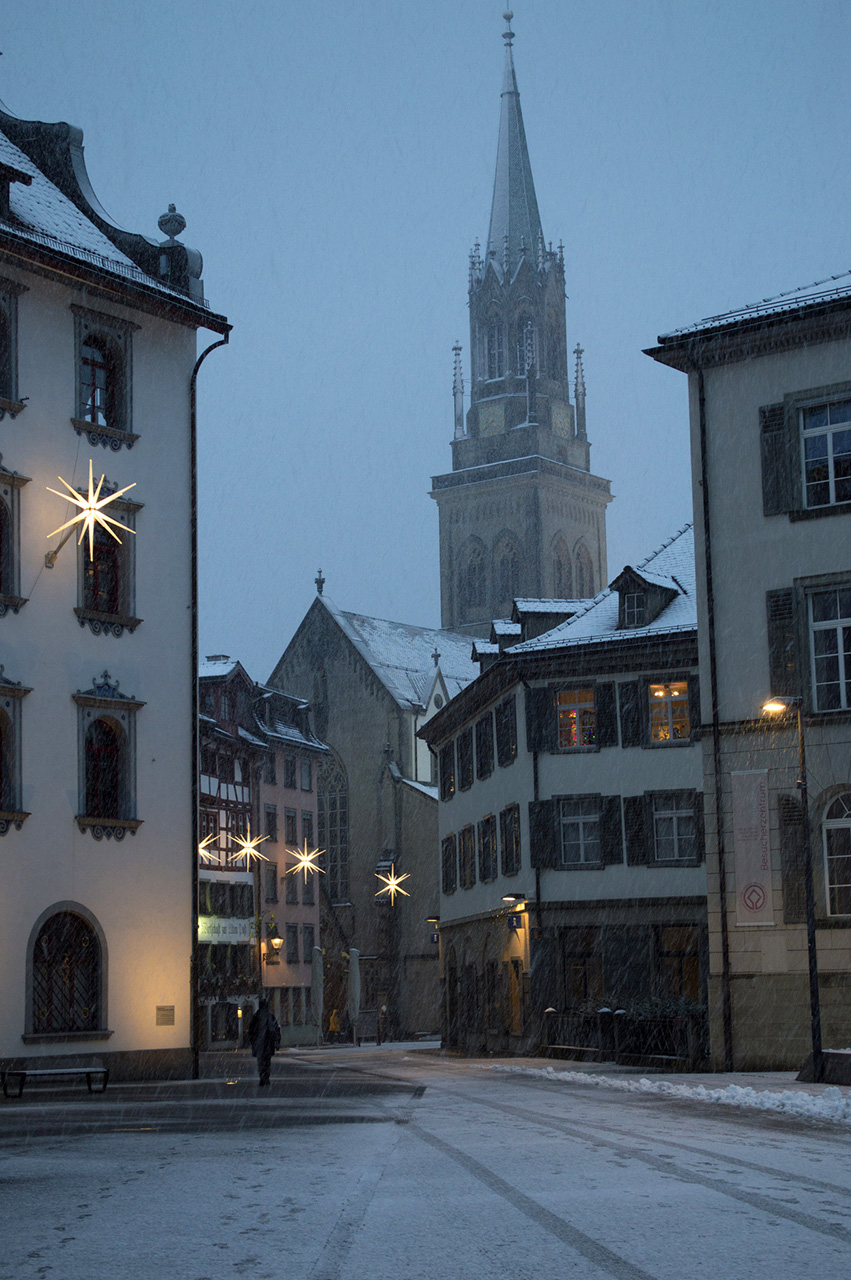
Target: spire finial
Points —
{"points": [[435, 657], [508, 36], [579, 394], [320, 582], [458, 392]]}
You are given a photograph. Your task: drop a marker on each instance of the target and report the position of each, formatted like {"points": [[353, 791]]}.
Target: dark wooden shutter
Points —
{"points": [[638, 830], [793, 852], [604, 711], [542, 833], [779, 488], [629, 697], [694, 706], [783, 664], [611, 831], [540, 719], [699, 827]]}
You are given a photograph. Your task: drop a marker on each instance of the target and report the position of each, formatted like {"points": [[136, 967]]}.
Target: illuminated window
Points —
{"points": [[830, 639], [577, 721], [837, 855], [674, 834], [826, 447], [669, 715], [579, 831]]}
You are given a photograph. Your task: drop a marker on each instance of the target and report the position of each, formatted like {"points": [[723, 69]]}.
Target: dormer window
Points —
{"points": [[634, 609]]}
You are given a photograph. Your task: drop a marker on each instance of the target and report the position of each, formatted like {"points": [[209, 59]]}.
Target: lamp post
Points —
{"points": [[782, 705]]}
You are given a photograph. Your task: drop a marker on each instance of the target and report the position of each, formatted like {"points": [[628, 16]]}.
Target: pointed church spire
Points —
{"points": [[458, 392], [579, 394], [514, 212]]}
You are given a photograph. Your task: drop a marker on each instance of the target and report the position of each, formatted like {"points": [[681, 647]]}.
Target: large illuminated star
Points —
{"points": [[392, 884], [305, 862], [204, 851], [91, 510], [248, 847]]}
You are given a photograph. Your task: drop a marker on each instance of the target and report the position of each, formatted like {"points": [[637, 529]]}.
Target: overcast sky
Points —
{"points": [[334, 162]]}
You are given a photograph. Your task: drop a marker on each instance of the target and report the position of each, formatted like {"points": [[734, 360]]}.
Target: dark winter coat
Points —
{"points": [[264, 1034]]}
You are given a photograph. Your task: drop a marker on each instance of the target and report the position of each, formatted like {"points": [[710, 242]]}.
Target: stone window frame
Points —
{"points": [[116, 335], [98, 621], [12, 694], [11, 483], [449, 864], [10, 401], [106, 701], [30, 1036], [510, 844], [838, 822]]}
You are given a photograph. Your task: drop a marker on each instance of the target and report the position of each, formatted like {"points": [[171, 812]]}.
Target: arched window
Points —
{"points": [[495, 348], [555, 363], [471, 586], [837, 855], [562, 571], [6, 551], [67, 976], [105, 766], [102, 575], [332, 808], [505, 572], [527, 344], [584, 572], [6, 356], [99, 377], [7, 764]]}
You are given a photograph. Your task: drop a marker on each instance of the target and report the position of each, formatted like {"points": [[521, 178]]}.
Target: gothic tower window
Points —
{"points": [[67, 976], [527, 344], [332, 807], [584, 572], [495, 349], [562, 571], [471, 581], [554, 361], [506, 568]]}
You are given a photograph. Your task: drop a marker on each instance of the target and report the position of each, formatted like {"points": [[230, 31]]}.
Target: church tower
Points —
{"points": [[521, 514]]}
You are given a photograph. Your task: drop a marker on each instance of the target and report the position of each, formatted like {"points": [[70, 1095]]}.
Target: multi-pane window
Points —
{"points": [[105, 747], [674, 835], [98, 384], [10, 558], [446, 770], [830, 634], [669, 718], [826, 443], [104, 374], [290, 772], [290, 832], [307, 828], [291, 888], [292, 944], [577, 721], [583, 965], [678, 962], [579, 822], [465, 760], [484, 746], [306, 774], [487, 848], [467, 857], [67, 976], [837, 854], [271, 815], [270, 880], [496, 349], [505, 717], [449, 865], [308, 890], [634, 609], [106, 578], [509, 822], [333, 827], [307, 939], [269, 770]]}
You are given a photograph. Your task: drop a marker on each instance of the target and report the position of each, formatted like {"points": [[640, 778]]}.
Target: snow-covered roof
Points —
{"points": [[550, 606], [485, 648], [505, 627], [671, 565], [402, 655], [426, 790], [218, 667], [289, 733], [828, 290]]}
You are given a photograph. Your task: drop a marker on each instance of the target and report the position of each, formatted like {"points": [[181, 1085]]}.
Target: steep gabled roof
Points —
{"points": [[670, 566], [402, 655]]}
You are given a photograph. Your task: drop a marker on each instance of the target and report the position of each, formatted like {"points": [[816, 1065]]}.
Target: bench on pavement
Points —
{"points": [[90, 1071]]}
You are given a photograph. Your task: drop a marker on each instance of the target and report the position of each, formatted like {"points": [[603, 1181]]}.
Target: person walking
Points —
{"points": [[264, 1035]]}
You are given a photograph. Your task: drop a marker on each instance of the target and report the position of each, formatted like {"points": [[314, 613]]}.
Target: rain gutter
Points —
{"points": [[726, 1002]]}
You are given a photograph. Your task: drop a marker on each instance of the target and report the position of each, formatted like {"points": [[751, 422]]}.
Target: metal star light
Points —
{"points": [[248, 847], [305, 861], [204, 851], [91, 510], [392, 884]]}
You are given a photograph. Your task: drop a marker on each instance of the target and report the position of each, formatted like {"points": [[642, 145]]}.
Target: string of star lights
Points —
{"points": [[392, 884], [205, 853], [91, 511], [248, 847], [305, 860]]}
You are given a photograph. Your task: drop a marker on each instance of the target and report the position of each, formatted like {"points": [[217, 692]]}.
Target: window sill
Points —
{"points": [[668, 863], [112, 828], [670, 742], [109, 437], [11, 602], [581, 866], [12, 407], [106, 623], [63, 1037], [9, 819], [813, 513]]}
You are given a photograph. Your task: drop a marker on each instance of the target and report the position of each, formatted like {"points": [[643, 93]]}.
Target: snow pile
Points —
{"points": [[832, 1104]]}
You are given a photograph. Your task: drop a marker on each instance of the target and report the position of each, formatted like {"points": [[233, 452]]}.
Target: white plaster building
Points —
{"points": [[97, 720]]}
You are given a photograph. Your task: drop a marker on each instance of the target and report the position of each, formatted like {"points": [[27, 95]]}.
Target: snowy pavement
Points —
{"points": [[462, 1170]]}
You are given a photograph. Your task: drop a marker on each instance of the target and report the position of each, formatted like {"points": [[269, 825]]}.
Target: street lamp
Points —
{"points": [[782, 705]]}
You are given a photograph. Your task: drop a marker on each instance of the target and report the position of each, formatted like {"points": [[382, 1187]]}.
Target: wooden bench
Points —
{"points": [[91, 1071]]}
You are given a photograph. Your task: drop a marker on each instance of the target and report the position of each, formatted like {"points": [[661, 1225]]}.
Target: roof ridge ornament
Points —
{"points": [[508, 36]]}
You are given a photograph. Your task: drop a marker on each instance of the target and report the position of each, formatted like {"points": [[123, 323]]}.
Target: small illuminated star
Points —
{"points": [[248, 847], [204, 851], [305, 862], [392, 884], [91, 510]]}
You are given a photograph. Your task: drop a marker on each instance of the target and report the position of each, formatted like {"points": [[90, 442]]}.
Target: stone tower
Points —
{"points": [[521, 514]]}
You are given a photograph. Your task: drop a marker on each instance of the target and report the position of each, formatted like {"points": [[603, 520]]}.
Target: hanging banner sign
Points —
{"points": [[224, 929], [751, 848]]}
